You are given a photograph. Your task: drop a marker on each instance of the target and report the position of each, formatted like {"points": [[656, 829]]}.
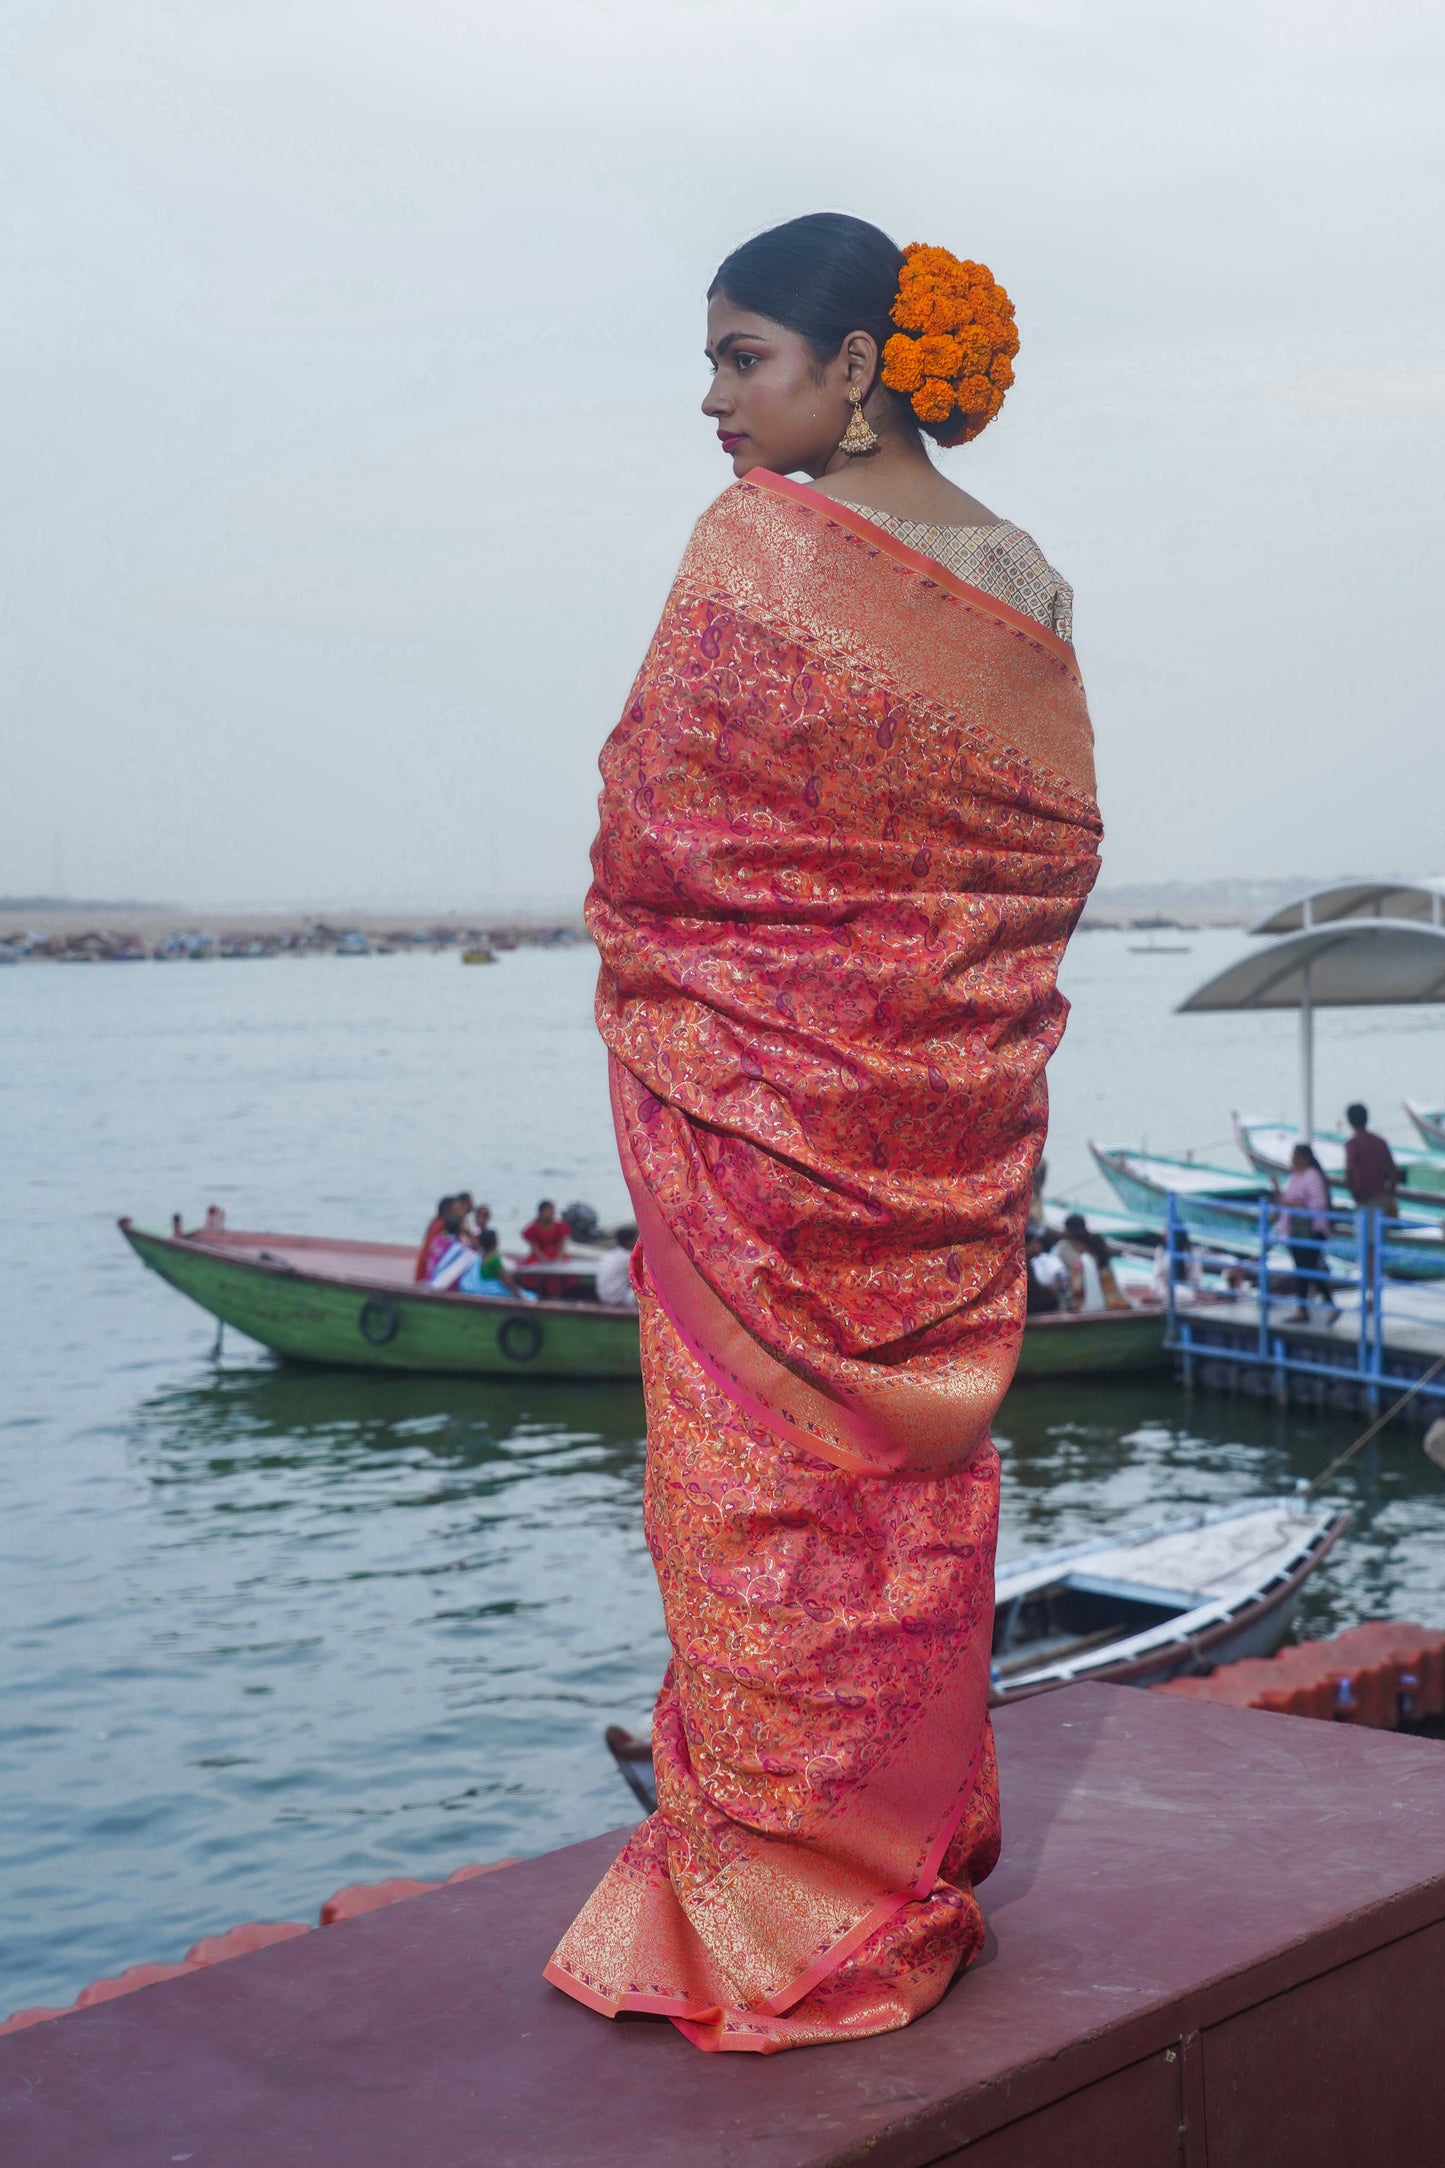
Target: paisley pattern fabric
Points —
{"points": [[847, 827]]}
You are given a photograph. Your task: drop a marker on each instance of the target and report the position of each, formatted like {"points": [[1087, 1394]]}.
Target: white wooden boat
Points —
{"points": [[1267, 1147], [1221, 1208], [1430, 1121], [1182, 1597]]}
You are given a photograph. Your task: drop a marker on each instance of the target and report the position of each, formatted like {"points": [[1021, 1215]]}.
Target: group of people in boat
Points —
{"points": [[1073, 1271], [459, 1255]]}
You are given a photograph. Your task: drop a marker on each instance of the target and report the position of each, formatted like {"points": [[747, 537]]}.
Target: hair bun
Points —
{"points": [[952, 354]]}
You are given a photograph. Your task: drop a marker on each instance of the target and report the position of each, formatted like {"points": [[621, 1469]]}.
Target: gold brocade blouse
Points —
{"points": [[1000, 559]]}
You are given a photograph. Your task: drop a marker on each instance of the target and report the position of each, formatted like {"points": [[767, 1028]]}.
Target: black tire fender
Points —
{"points": [[379, 1320], [520, 1338]]}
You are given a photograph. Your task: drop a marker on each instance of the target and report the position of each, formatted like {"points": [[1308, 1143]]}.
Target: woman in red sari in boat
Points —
{"points": [[848, 824]]}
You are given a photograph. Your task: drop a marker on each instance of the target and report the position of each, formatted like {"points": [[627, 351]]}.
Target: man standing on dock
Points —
{"points": [[1373, 1179]]}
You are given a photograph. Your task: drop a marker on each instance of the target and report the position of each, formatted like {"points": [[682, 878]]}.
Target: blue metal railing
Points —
{"points": [[1351, 1269]]}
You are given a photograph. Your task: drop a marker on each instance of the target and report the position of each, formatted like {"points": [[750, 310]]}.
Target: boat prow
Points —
{"points": [[1430, 1122]]}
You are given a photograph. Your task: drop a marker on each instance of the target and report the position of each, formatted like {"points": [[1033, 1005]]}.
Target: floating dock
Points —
{"points": [[1215, 1939], [1387, 1339], [1245, 1347]]}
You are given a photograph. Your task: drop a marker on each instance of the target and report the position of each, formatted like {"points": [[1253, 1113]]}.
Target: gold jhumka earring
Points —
{"points": [[857, 437]]}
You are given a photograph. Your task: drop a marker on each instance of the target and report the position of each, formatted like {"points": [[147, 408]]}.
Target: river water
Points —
{"points": [[270, 1632]]}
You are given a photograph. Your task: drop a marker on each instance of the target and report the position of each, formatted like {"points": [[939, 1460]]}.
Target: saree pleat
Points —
{"points": [[847, 826]]}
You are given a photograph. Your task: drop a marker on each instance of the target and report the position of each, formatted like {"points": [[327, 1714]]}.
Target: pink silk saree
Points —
{"points": [[847, 827]]}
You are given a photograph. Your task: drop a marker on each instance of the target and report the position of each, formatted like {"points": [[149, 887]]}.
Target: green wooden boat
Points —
{"points": [[356, 1305]]}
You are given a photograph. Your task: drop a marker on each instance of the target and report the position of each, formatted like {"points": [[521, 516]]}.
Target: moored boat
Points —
{"points": [[1180, 1597], [1216, 1203], [356, 1304], [1163, 1602], [1268, 1145], [1222, 1208]]}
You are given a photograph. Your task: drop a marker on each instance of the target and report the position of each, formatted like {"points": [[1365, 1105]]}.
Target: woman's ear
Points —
{"points": [[860, 359]]}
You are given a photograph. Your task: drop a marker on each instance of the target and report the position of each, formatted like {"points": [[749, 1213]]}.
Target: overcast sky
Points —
{"points": [[354, 352]]}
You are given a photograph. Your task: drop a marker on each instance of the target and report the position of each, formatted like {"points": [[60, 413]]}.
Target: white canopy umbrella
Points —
{"points": [[1420, 900], [1347, 963]]}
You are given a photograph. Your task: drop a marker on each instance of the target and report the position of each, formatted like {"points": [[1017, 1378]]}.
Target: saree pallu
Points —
{"points": [[847, 827]]}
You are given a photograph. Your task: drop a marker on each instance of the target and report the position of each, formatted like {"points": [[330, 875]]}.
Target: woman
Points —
{"points": [[1304, 1223], [847, 827]]}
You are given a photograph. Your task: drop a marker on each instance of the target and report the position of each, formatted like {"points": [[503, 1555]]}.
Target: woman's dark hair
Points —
{"points": [[823, 276]]}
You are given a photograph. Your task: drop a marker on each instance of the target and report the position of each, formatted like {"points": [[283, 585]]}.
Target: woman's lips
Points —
{"points": [[729, 440]]}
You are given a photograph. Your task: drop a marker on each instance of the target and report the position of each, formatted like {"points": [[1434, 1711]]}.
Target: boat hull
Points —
{"points": [[1101, 1343], [364, 1325]]}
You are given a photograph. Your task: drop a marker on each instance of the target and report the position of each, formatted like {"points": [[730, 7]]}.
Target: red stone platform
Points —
{"points": [[1217, 1940]]}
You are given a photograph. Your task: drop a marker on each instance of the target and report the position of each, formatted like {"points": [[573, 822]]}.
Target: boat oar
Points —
{"points": [[1434, 1436]]}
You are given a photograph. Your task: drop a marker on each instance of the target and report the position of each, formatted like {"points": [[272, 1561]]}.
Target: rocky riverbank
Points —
{"points": [[45, 932]]}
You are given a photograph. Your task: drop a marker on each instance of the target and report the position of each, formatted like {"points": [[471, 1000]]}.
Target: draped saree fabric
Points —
{"points": [[847, 827]]}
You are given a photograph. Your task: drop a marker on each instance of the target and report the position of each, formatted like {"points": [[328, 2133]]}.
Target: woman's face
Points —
{"points": [[771, 403]]}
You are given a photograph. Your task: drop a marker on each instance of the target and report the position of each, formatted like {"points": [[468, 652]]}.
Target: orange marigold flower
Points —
{"points": [[939, 355], [973, 395], [975, 350], [902, 369], [1001, 372], [933, 400]]}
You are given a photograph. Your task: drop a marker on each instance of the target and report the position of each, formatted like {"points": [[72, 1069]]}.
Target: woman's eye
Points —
{"points": [[745, 361]]}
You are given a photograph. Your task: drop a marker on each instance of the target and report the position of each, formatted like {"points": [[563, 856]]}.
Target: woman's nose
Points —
{"points": [[714, 404]]}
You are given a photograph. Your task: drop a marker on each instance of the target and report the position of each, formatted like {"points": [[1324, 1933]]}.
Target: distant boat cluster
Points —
{"points": [[195, 945]]}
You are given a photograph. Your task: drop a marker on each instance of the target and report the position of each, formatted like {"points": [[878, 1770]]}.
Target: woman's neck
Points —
{"points": [[900, 479]]}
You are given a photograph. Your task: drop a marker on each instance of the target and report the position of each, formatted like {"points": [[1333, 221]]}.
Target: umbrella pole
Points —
{"points": [[1306, 1061]]}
